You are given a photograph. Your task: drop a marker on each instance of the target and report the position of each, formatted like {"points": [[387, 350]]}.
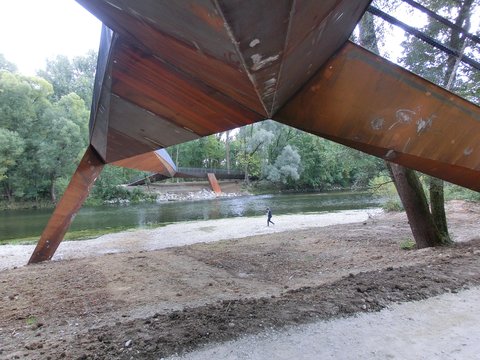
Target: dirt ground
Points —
{"points": [[152, 304]]}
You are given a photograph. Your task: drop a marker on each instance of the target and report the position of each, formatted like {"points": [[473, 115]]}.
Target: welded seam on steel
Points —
{"points": [[287, 39], [239, 53]]}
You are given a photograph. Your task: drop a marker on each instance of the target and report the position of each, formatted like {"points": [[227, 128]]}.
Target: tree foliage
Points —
{"points": [[42, 136]]}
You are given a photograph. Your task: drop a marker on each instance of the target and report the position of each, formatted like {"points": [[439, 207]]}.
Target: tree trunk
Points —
{"points": [[8, 192], [415, 203], [176, 160], [437, 198], [53, 196], [227, 150], [247, 178], [437, 207], [368, 37]]}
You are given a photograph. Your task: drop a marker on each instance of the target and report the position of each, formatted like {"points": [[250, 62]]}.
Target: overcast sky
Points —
{"points": [[33, 30]]}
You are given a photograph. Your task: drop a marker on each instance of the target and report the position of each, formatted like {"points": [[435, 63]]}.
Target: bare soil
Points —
{"points": [[151, 304]]}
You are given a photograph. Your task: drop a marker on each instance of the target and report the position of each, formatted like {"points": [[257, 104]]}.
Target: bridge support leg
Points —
{"points": [[212, 179], [77, 191]]}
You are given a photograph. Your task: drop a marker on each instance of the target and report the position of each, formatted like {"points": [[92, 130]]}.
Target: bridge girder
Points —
{"points": [[173, 71], [365, 102]]}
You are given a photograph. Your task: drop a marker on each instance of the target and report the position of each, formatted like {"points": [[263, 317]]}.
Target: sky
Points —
{"points": [[32, 31]]}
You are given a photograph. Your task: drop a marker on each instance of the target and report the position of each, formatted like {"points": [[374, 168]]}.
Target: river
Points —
{"points": [[28, 223]]}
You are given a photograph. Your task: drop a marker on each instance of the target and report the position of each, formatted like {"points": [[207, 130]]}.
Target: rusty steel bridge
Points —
{"points": [[174, 71]]}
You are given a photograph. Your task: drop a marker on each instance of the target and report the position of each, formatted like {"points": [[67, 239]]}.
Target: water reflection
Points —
{"points": [[24, 223]]}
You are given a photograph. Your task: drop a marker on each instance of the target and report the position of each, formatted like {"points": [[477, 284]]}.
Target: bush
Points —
{"points": [[455, 192], [383, 186], [392, 205], [408, 244]]}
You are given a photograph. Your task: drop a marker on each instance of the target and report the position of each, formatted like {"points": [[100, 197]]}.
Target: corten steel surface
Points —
{"points": [[370, 104], [214, 183], [77, 191], [156, 161], [173, 71], [177, 70]]}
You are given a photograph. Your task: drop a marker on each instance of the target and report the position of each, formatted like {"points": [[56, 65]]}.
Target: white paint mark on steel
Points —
{"points": [[270, 86], [406, 144], [390, 155], [424, 124], [254, 43], [259, 63], [114, 5], [377, 124], [404, 115], [338, 16], [468, 151]]}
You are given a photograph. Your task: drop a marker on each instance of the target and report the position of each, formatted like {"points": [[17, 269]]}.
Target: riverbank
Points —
{"points": [[181, 234], [24, 226], [149, 304]]}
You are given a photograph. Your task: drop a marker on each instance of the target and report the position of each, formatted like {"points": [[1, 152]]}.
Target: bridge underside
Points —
{"points": [[173, 71]]}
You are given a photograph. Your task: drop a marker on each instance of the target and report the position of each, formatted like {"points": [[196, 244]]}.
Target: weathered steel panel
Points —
{"points": [[368, 103], [163, 90], [260, 32], [317, 30], [155, 161], [144, 130], [100, 110], [189, 35], [208, 66]]}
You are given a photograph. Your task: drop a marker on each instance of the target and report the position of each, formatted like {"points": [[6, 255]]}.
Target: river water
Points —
{"points": [[27, 223]]}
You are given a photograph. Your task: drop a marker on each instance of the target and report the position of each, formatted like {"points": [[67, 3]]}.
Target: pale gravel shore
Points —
{"points": [[184, 233]]}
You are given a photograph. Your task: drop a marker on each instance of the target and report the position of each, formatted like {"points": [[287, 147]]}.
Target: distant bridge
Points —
{"points": [[188, 173]]}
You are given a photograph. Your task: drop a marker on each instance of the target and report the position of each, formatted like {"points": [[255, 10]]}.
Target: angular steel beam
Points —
{"points": [[158, 161], [212, 179], [366, 102], [77, 191]]}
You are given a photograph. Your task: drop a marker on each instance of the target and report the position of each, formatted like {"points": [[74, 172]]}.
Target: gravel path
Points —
{"points": [[443, 327]]}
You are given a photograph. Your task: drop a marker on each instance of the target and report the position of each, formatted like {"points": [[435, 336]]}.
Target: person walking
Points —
{"points": [[269, 217]]}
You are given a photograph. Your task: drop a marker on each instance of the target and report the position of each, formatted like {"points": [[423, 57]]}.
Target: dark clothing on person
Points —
{"points": [[269, 217]]}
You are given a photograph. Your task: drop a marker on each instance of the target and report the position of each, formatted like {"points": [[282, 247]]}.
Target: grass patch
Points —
{"points": [[408, 244], [23, 205], [31, 320], [392, 205], [79, 235]]}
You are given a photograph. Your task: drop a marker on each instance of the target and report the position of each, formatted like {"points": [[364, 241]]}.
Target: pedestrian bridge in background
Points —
{"points": [[173, 71], [191, 173]]}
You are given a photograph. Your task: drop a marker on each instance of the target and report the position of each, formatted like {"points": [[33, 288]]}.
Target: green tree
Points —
{"points": [[69, 76], [11, 148], [6, 65], [254, 140], [286, 168], [63, 141], [23, 101], [73, 108]]}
